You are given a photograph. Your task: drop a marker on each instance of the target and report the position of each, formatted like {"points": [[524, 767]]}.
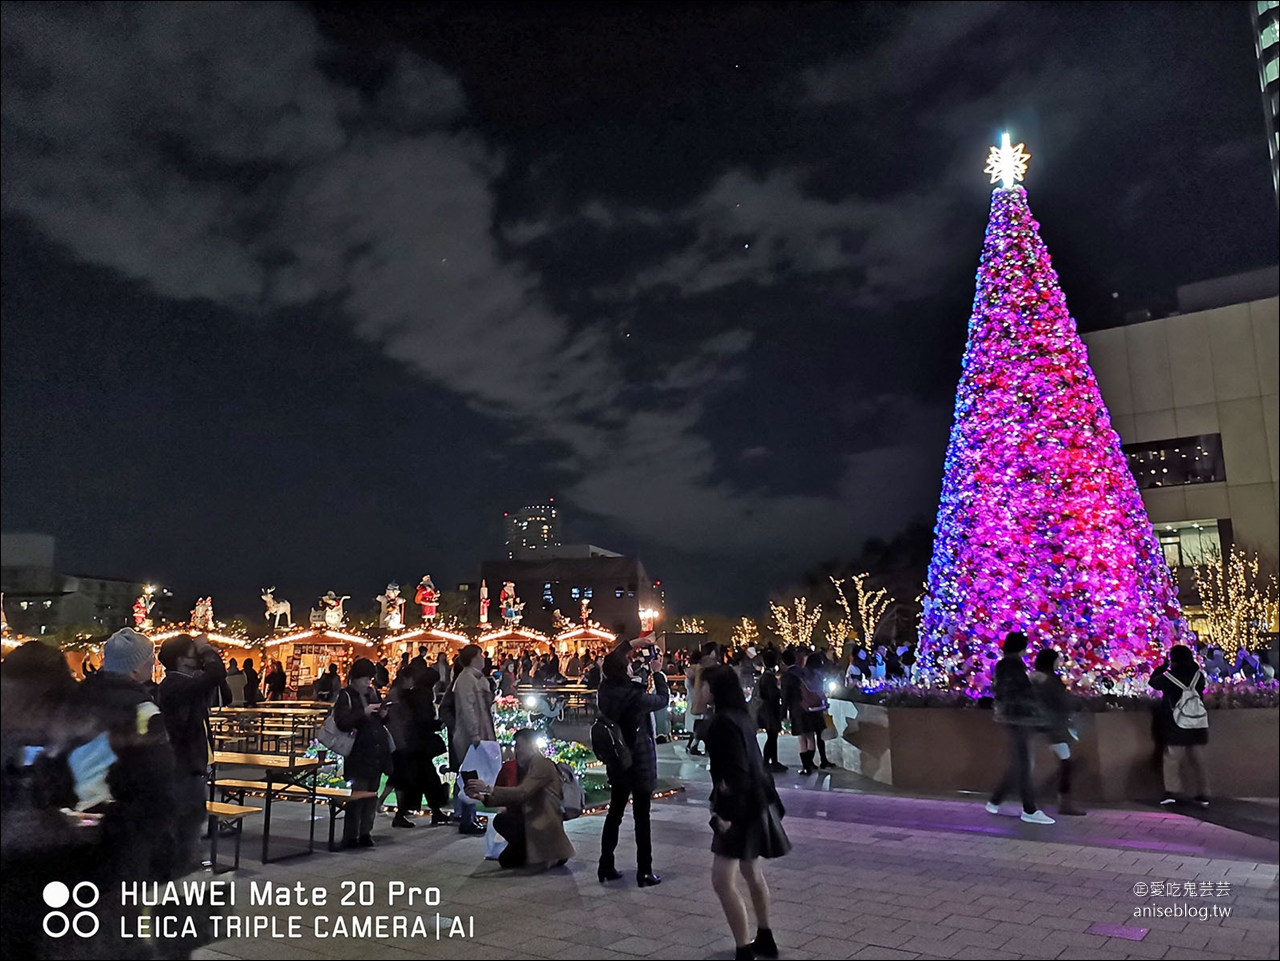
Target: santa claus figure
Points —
{"points": [[429, 598], [202, 616], [142, 612]]}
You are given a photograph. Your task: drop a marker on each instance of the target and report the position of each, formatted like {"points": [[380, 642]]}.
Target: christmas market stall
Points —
{"points": [[307, 654], [435, 640], [582, 638], [513, 640]]}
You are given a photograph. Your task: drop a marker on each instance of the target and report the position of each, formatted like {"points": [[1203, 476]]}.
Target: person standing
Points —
{"points": [[383, 676], [473, 724], [746, 814], [1017, 710], [277, 681], [815, 681], [697, 709], [236, 682], [768, 698], [411, 718], [1057, 710], [137, 824], [329, 686], [252, 693], [1182, 723], [359, 709], [625, 702], [532, 823], [442, 668], [193, 672], [796, 702]]}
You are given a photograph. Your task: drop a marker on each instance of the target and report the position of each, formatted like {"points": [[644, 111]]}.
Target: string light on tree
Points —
{"points": [[1040, 525], [796, 626], [745, 634], [691, 625], [1239, 601], [861, 619]]}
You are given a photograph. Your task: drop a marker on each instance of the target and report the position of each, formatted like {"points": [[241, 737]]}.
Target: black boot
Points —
{"points": [[822, 752], [764, 946], [806, 762], [744, 953]]}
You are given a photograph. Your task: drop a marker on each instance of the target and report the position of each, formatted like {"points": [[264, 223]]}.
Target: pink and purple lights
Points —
{"points": [[1040, 526]]}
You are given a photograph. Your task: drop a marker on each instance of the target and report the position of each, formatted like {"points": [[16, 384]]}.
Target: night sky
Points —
{"points": [[310, 295]]}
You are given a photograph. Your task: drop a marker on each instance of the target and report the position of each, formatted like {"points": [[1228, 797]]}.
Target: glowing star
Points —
{"points": [[1007, 164]]}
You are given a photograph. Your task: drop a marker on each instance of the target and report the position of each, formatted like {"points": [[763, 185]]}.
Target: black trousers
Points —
{"points": [[511, 826], [1017, 774], [414, 778], [640, 801], [770, 747]]}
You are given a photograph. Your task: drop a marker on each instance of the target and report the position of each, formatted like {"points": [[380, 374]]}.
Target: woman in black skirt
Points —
{"points": [[746, 813]]}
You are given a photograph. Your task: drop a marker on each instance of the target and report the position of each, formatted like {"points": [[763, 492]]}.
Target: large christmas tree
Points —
{"points": [[1040, 527]]}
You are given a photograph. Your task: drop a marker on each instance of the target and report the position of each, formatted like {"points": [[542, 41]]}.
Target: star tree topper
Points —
{"points": [[1007, 164]]}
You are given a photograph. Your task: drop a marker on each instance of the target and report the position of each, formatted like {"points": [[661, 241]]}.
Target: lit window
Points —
{"points": [[24, 605], [575, 593], [48, 604], [619, 592], [586, 592]]}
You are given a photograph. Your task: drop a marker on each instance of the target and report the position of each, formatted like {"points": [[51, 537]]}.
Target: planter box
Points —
{"points": [[940, 750]]}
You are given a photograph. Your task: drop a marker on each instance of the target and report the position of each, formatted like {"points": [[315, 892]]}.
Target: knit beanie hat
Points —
{"points": [[363, 667], [125, 651]]}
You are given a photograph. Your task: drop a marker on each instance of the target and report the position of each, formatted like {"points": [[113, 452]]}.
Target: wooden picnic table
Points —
{"points": [[262, 726], [287, 771]]}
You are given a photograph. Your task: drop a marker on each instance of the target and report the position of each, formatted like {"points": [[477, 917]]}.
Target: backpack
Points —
{"points": [[610, 745], [573, 796], [1189, 713]]}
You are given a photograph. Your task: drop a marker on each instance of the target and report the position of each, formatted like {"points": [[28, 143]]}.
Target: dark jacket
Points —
{"points": [[370, 756], [184, 701], [790, 684], [1014, 696], [252, 692], [1057, 707], [137, 825], [276, 682], [768, 702], [628, 705], [328, 686], [1166, 730], [741, 787]]}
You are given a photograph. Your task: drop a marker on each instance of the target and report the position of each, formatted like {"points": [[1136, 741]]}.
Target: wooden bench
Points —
{"points": [[221, 816], [336, 797]]}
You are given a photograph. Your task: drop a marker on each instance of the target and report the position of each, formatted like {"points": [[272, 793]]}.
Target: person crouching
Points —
{"points": [[532, 823]]}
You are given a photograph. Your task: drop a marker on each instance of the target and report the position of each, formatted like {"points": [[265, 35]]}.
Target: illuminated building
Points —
{"points": [[532, 529], [1194, 399], [1266, 40]]}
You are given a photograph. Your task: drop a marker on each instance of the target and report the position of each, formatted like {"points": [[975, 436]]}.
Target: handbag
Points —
{"points": [[829, 731], [774, 842], [334, 738]]}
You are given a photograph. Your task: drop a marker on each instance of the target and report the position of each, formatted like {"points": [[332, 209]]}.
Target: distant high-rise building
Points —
{"points": [[1266, 40], [533, 529]]}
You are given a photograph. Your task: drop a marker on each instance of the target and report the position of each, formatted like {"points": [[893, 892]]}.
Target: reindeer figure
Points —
{"points": [[275, 608]]}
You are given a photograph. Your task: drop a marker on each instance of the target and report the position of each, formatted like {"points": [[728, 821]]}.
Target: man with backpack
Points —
{"points": [[1182, 723], [623, 737]]}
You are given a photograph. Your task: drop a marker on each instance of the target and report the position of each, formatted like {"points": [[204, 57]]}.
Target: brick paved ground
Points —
{"points": [[871, 876]]}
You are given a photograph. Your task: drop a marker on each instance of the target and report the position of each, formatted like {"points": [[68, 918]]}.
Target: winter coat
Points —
{"points": [[538, 797], [741, 788], [627, 704], [768, 703], [1057, 707], [184, 701], [138, 824], [370, 755], [1167, 731], [790, 685], [473, 707], [1014, 696]]}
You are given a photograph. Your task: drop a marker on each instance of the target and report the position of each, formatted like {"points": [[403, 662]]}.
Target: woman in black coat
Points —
{"points": [[768, 701], [1178, 743], [359, 709], [746, 813], [411, 718], [626, 702], [276, 682]]}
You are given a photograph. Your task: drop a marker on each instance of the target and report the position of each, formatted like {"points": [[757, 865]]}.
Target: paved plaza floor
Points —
{"points": [[872, 875]]}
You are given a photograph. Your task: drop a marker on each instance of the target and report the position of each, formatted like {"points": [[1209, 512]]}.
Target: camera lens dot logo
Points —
{"points": [[57, 923]]}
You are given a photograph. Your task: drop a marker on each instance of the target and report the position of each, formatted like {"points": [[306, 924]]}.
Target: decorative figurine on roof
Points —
{"points": [[142, 611], [559, 622], [429, 598], [584, 612], [484, 603], [277, 609], [510, 604], [202, 615], [330, 612], [392, 616]]}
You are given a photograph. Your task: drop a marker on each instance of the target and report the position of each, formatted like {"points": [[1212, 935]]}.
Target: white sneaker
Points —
{"points": [[993, 808], [1037, 817]]}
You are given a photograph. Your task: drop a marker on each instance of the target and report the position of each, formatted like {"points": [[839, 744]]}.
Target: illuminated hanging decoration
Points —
{"points": [[1040, 526], [142, 608], [1239, 600]]}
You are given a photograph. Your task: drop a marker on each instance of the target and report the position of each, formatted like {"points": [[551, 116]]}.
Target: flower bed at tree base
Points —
{"points": [[940, 750]]}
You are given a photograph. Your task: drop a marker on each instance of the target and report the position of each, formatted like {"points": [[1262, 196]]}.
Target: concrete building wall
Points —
{"points": [[1210, 372]]}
